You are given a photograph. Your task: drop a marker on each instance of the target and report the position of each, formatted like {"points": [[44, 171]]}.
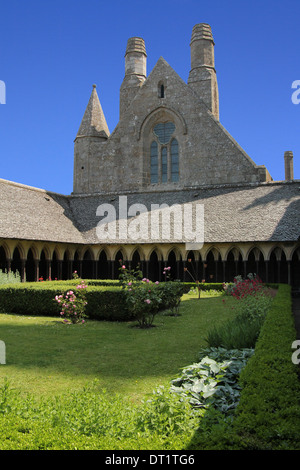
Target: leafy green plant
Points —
{"points": [[166, 413], [92, 418], [234, 334], [214, 380]]}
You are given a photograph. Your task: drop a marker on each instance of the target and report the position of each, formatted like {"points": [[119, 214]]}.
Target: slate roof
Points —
{"points": [[33, 214], [237, 213]]}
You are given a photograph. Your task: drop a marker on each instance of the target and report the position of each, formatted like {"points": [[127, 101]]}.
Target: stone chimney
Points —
{"points": [[135, 72], [288, 166], [202, 76]]}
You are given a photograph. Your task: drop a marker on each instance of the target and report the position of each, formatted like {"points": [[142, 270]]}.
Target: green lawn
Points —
{"points": [[47, 357]]}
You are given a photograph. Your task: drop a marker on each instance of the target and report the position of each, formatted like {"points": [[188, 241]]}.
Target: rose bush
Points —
{"points": [[143, 297], [73, 304]]}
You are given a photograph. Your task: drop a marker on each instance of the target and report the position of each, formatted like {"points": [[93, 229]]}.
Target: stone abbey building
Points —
{"points": [[168, 152]]}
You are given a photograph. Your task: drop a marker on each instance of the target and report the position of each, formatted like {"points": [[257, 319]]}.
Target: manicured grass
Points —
{"points": [[44, 356]]}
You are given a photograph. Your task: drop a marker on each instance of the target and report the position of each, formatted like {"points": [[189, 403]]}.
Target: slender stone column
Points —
{"points": [[36, 269], [224, 270], [23, 270]]}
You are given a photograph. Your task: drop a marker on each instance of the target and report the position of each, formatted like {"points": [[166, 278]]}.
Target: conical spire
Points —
{"points": [[93, 123]]}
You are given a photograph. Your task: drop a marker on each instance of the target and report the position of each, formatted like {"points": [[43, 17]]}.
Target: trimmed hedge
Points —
{"points": [[103, 302], [268, 414], [105, 299]]}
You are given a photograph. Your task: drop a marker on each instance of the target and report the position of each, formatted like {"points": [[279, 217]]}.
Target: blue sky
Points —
{"points": [[51, 53]]}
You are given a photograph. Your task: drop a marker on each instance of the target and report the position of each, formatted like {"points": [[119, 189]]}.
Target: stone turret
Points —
{"points": [[91, 136], [202, 77], [135, 72], [93, 123]]}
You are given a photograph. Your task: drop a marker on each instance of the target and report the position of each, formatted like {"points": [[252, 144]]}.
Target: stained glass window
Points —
{"points": [[164, 131], [154, 162], [164, 154], [164, 165], [174, 161]]}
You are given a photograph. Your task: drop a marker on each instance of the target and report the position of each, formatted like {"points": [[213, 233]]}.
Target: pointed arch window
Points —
{"points": [[161, 88], [164, 154]]}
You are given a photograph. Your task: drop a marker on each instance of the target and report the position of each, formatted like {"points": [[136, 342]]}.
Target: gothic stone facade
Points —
{"points": [[170, 148]]}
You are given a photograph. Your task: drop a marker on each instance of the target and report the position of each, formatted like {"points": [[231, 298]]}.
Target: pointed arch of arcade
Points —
{"points": [[3, 258], [234, 263], [16, 260], [255, 263], [155, 265], [118, 259], [173, 260], [31, 265], [88, 265], [67, 265], [278, 266], [211, 266], [192, 266], [103, 265], [136, 260], [295, 267]]}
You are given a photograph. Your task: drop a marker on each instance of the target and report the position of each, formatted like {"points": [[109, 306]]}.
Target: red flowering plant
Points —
{"points": [[240, 287], [253, 297], [73, 304]]}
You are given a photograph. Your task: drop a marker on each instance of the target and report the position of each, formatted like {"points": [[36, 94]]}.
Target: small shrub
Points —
{"points": [[9, 277]]}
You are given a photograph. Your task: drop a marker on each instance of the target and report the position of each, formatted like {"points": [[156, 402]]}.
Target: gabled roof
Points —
{"points": [[93, 123]]}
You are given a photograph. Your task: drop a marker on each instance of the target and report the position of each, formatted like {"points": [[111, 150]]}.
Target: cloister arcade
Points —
{"points": [[213, 263]]}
